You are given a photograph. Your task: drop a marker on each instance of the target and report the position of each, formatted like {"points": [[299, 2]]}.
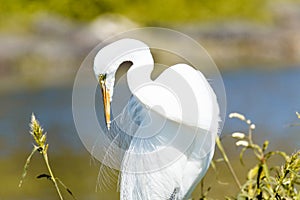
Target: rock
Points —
{"points": [[107, 25]]}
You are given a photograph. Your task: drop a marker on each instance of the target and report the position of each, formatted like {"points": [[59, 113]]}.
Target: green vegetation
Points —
{"points": [[145, 12], [265, 180]]}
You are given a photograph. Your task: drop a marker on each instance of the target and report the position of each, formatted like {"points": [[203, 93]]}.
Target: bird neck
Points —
{"points": [[138, 74]]}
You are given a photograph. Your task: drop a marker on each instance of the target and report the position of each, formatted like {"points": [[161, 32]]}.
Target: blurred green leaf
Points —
{"points": [[145, 12]]}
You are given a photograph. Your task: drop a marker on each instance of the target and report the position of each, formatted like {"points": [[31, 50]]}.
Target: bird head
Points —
{"points": [[108, 60]]}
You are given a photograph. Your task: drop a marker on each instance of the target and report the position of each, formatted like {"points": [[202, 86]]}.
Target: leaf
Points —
{"points": [[280, 153], [44, 176], [252, 173], [26, 166], [265, 145], [266, 171]]}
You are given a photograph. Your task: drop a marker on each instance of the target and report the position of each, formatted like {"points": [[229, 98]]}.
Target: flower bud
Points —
{"points": [[237, 115], [242, 143], [238, 135]]}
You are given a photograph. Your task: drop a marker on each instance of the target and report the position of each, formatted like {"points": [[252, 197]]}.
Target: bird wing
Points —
{"points": [[169, 163]]}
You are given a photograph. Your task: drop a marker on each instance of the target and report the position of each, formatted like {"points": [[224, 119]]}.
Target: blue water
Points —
{"points": [[53, 108], [269, 98]]}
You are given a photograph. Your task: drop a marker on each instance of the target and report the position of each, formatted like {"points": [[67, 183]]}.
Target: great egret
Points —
{"points": [[167, 130]]}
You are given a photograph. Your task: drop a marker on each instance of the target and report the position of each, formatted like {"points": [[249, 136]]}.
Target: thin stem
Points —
{"points": [[250, 135], [220, 146], [202, 188], [51, 174], [27, 165]]}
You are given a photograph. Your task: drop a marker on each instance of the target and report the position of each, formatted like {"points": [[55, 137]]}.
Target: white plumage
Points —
{"points": [[167, 130]]}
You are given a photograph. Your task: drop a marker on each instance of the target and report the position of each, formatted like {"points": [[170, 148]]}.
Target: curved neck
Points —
{"points": [[138, 74]]}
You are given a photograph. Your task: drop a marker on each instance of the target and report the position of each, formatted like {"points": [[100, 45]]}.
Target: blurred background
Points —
{"points": [[255, 44]]}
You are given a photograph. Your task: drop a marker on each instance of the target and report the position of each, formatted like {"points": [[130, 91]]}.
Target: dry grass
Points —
{"points": [[41, 146]]}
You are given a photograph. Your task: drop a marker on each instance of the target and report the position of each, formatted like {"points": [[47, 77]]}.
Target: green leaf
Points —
{"points": [[265, 145], [252, 173]]}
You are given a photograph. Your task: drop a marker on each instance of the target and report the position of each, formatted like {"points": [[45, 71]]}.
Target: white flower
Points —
{"points": [[242, 143], [252, 126], [237, 115], [238, 135]]}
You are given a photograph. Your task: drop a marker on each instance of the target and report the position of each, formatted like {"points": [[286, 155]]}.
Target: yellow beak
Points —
{"points": [[106, 99]]}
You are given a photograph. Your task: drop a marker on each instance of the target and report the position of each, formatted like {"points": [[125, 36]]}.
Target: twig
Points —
{"points": [[221, 148], [53, 179]]}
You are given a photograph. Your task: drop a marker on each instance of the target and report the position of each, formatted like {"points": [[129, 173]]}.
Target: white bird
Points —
{"points": [[168, 128]]}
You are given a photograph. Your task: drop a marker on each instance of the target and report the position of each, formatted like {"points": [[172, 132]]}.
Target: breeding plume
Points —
{"points": [[167, 128]]}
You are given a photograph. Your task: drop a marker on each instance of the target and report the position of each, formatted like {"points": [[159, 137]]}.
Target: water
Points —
{"points": [[52, 107], [269, 98]]}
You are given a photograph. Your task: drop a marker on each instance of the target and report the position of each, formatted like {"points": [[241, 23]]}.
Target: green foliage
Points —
{"points": [[145, 12], [169, 11], [265, 181], [277, 182], [270, 182]]}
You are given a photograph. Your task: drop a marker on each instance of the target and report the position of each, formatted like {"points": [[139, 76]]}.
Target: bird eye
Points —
{"points": [[102, 77]]}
